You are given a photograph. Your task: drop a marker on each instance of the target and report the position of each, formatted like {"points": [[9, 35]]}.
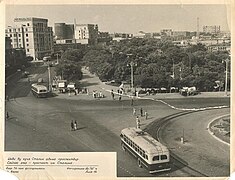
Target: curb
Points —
{"points": [[210, 132]]}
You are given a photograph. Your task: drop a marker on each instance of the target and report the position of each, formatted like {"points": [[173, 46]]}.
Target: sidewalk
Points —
{"points": [[93, 83]]}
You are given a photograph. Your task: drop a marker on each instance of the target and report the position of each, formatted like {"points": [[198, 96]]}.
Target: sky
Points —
{"points": [[127, 18]]}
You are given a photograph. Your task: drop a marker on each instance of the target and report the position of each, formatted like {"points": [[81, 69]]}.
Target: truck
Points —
{"points": [[189, 91], [62, 86]]}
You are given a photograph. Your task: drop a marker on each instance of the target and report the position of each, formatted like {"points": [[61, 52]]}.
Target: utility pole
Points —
{"points": [[49, 77], [226, 75]]}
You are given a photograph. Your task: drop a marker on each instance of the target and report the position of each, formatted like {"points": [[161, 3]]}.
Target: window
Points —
{"points": [[19, 40], [10, 35], [163, 157], [14, 35], [156, 158], [27, 40], [26, 29], [27, 24], [18, 29], [27, 50], [27, 45], [9, 30], [19, 35], [27, 35]]}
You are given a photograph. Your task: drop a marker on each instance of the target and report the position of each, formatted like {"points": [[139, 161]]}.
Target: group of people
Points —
{"points": [[142, 114], [96, 94], [74, 125], [120, 92]]}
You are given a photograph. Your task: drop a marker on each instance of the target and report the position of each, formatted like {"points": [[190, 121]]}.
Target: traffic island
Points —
{"points": [[220, 128]]}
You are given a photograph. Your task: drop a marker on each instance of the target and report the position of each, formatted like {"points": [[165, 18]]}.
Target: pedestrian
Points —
{"points": [[75, 93], [134, 111], [75, 125], [137, 122], [72, 126], [7, 115], [132, 101], [146, 115], [141, 112], [112, 94], [120, 98], [93, 93]]}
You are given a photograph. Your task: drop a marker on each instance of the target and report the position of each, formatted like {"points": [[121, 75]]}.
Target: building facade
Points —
{"points": [[33, 35], [64, 31], [86, 33], [211, 29]]}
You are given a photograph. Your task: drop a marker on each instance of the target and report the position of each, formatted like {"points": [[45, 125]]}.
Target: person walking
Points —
{"points": [[112, 94], [146, 115], [75, 125], [120, 97], [132, 101], [141, 112], [72, 126], [137, 122], [134, 111]]}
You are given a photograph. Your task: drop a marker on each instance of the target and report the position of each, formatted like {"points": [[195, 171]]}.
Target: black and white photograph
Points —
{"points": [[150, 82]]}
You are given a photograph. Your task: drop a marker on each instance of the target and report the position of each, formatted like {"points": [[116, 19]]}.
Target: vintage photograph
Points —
{"points": [[150, 82]]}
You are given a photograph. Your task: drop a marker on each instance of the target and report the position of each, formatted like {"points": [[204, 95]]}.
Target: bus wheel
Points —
{"points": [[123, 147], [139, 163]]}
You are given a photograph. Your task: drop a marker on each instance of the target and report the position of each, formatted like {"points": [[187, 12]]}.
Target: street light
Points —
{"points": [[226, 75], [131, 64], [49, 76]]}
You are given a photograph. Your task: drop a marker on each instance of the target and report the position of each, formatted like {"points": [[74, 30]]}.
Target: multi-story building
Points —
{"points": [[211, 29], [86, 33], [32, 34], [181, 33], [166, 32], [64, 31]]}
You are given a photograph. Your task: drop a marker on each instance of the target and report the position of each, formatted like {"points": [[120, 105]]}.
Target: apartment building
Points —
{"points": [[32, 34], [86, 33]]}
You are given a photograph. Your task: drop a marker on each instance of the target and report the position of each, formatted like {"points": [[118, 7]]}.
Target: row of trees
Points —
{"points": [[158, 63]]}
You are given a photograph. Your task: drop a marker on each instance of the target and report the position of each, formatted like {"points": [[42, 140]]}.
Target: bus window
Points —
{"points": [[155, 158], [163, 157]]}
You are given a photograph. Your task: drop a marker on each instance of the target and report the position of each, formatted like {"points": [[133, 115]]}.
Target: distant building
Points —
{"points": [[166, 32], [181, 33], [121, 36], [140, 34], [86, 33], [211, 29], [64, 31], [219, 47], [33, 35]]}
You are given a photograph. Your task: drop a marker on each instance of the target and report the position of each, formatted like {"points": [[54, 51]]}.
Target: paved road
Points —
{"points": [[201, 150], [44, 124]]}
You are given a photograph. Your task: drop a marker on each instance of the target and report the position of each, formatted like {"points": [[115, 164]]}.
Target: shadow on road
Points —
{"points": [[86, 84]]}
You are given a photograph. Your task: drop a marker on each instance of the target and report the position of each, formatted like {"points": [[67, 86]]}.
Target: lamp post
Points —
{"points": [[226, 75], [131, 64], [49, 76]]}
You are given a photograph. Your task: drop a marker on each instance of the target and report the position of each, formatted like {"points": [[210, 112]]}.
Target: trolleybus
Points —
{"points": [[39, 90], [150, 153]]}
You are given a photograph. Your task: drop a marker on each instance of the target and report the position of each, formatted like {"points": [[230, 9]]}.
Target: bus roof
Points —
{"points": [[145, 141], [39, 86]]}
